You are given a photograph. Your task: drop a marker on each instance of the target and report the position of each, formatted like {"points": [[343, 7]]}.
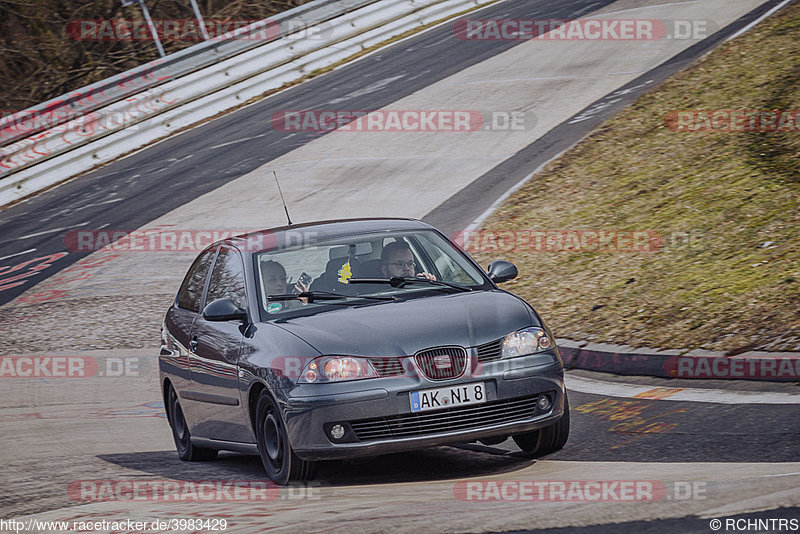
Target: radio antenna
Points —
{"points": [[275, 174]]}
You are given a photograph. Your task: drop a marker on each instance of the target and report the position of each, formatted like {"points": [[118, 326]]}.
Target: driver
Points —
{"points": [[398, 260]]}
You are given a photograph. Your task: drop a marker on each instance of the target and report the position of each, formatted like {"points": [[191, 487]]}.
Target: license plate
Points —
{"points": [[436, 399]]}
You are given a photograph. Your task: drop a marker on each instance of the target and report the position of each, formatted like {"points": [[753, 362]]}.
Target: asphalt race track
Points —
{"points": [[699, 461], [73, 447]]}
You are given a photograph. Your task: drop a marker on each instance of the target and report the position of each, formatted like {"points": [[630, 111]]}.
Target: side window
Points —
{"points": [[448, 269], [227, 278], [191, 292]]}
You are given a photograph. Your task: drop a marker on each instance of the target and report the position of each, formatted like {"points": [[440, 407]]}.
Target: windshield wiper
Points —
{"points": [[324, 295], [402, 281]]}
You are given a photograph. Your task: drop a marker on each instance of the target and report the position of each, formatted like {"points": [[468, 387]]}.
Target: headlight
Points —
{"points": [[527, 341], [337, 369]]}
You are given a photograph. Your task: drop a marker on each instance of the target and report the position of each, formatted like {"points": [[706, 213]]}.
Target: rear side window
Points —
{"points": [[191, 294], [227, 278]]}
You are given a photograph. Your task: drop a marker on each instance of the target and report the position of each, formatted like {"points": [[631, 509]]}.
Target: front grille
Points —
{"points": [[387, 366], [448, 420], [442, 363], [490, 352]]}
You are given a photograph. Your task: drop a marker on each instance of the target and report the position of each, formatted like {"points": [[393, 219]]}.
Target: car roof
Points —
{"points": [[329, 229]]}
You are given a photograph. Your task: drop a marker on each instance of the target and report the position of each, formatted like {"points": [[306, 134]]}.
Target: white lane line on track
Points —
{"points": [[95, 204], [236, 141], [17, 254], [52, 230], [477, 223], [759, 19], [645, 392], [371, 88], [534, 78]]}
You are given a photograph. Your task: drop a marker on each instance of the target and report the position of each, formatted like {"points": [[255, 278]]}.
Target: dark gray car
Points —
{"points": [[353, 338]]}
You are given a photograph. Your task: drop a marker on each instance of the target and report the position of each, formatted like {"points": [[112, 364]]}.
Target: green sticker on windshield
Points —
{"points": [[274, 307]]}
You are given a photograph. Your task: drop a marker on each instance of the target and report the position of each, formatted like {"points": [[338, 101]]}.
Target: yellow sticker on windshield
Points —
{"points": [[345, 274]]}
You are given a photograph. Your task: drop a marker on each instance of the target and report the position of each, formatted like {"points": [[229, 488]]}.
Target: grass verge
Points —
{"points": [[725, 272]]}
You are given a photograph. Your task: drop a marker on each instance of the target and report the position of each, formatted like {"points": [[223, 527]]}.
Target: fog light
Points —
{"points": [[544, 403], [337, 431]]}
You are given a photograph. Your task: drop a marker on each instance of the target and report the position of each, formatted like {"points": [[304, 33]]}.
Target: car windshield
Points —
{"points": [[381, 266]]}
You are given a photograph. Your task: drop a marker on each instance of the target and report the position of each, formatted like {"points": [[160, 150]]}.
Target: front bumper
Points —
{"points": [[512, 390]]}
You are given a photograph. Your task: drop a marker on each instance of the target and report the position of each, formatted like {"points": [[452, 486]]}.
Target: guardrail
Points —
{"points": [[124, 113]]}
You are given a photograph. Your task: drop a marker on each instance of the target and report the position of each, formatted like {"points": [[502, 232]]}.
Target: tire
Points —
{"points": [[546, 440], [180, 433], [280, 462]]}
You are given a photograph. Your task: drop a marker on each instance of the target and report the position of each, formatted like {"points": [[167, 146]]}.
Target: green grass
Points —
{"points": [[714, 197]]}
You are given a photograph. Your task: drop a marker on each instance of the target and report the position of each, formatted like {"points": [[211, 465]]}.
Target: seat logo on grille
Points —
{"points": [[442, 361]]}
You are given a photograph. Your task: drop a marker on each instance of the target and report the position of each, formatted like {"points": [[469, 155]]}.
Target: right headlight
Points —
{"points": [[524, 342]]}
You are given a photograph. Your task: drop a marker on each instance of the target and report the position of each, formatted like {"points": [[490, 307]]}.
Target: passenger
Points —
{"points": [[398, 260], [273, 276]]}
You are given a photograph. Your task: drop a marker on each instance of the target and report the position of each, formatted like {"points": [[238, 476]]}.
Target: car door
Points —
{"points": [[176, 347], [215, 358]]}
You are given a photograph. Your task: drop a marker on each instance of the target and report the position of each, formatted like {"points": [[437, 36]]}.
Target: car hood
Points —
{"points": [[405, 327]]}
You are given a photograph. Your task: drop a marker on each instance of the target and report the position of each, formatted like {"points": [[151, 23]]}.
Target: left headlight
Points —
{"points": [[526, 341], [337, 369]]}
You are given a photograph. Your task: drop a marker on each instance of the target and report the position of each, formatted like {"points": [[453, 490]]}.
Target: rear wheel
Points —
{"points": [[548, 439], [180, 433], [280, 462]]}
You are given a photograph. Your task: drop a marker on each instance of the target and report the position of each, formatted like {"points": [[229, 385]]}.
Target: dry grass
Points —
{"points": [[715, 198]]}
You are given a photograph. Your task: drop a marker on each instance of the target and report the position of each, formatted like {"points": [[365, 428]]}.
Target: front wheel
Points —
{"points": [[180, 432], [280, 462], [548, 439]]}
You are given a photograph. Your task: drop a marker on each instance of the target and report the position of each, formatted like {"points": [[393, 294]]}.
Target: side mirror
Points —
{"points": [[502, 271], [223, 310]]}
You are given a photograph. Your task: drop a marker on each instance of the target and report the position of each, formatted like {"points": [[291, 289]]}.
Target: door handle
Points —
{"points": [[193, 344]]}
